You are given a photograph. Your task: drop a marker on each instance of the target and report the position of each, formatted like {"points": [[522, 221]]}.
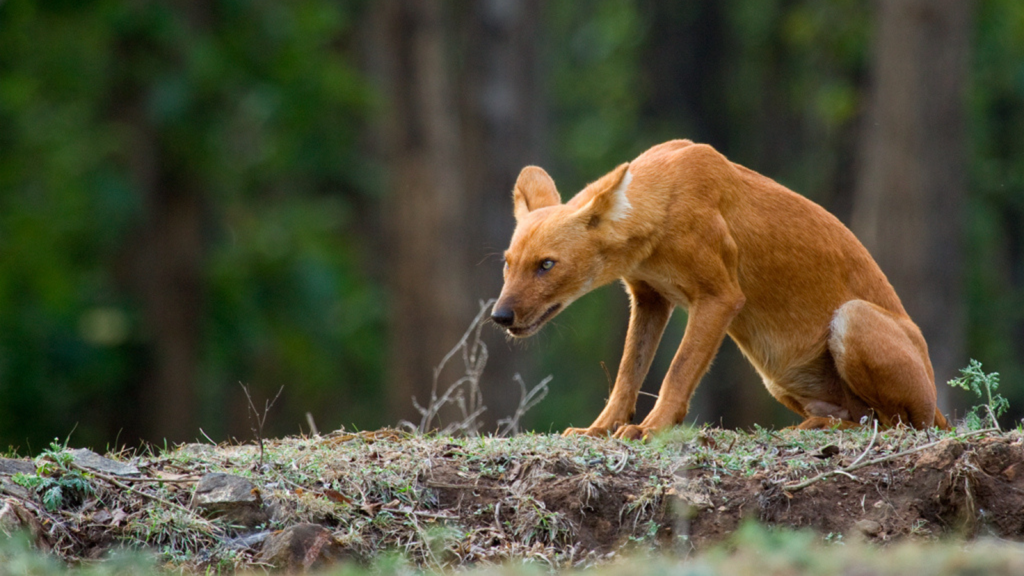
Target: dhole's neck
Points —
{"points": [[624, 250]]}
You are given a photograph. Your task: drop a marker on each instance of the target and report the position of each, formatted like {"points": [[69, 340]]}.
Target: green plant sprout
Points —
{"points": [[54, 481], [974, 379]]}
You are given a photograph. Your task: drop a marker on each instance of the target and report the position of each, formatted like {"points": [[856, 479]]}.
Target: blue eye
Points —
{"points": [[547, 264]]}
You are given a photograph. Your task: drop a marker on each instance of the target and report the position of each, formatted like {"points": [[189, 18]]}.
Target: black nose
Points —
{"points": [[503, 317]]}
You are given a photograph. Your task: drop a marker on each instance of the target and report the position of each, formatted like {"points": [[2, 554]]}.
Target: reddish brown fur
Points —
{"points": [[799, 294]]}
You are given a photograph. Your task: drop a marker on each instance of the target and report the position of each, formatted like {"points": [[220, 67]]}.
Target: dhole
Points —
{"points": [[683, 226]]}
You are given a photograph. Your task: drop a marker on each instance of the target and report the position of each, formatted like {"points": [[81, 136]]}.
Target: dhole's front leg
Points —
{"points": [[708, 321], [648, 316]]}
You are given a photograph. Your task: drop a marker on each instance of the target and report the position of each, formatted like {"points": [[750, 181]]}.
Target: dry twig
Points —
{"points": [[465, 392], [846, 471], [145, 495], [257, 419], [527, 400]]}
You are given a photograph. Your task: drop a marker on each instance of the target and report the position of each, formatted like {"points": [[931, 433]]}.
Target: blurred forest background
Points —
{"points": [[313, 194]]}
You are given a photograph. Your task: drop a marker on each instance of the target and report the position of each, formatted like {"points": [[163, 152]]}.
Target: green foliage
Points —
{"points": [[55, 482], [974, 379], [792, 86], [260, 109], [995, 204], [18, 557], [594, 81], [257, 107]]}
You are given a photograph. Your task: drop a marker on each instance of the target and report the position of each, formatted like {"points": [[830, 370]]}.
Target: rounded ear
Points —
{"points": [[534, 189], [607, 197]]}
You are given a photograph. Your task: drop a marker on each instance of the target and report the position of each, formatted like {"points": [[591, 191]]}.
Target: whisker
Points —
{"points": [[489, 256], [557, 326], [572, 327]]}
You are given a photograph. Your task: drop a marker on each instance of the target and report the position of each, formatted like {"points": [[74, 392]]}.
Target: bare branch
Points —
{"points": [[464, 394], [879, 460], [527, 400], [258, 419]]}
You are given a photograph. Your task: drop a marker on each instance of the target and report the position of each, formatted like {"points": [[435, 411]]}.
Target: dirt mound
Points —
{"points": [[962, 487], [561, 502], [568, 502]]}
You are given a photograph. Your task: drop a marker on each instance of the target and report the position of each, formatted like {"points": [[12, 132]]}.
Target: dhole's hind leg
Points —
{"points": [[883, 358]]}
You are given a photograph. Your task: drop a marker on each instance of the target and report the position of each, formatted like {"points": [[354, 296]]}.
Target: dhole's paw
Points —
{"points": [[592, 432], [632, 432]]}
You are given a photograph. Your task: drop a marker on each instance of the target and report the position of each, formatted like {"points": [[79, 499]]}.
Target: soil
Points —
{"points": [[597, 515], [570, 502], [963, 489], [954, 488]]}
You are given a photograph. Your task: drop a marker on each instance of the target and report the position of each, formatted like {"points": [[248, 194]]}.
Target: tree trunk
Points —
{"points": [[168, 276], [463, 119], [503, 111], [908, 201], [425, 215], [163, 266]]}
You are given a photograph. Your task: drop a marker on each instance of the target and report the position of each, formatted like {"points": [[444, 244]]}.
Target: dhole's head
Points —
{"points": [[557, 250]]}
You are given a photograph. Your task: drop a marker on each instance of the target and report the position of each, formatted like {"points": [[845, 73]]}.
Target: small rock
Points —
{"points": [[101, 517], [868, 527], [88, 459], [8, 487], [11, 515], [941, 456], [688, 501], [201, 450], [15, 518], [231, 498], [302, 547], [12, 466]]}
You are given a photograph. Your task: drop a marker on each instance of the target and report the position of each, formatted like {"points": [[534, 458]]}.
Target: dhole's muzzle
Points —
{"points": [[505, 316]]}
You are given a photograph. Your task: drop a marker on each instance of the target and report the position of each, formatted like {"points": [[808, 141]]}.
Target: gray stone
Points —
{"points": [[230, 498], [88, 459], [12, 466], [15, 518], [196, 449], [9, 487], [868, 527], [302, 547]]}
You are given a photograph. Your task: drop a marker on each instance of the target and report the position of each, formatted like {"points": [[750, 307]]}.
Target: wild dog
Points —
{"points": [[683, 226]]}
